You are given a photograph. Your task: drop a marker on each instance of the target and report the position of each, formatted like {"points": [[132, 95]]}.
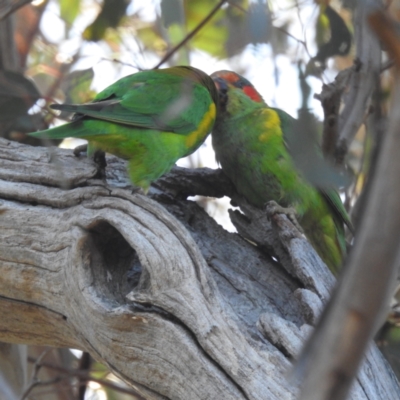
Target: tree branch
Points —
{"points": [[362, 81], [10, 6], [178, 309], [335, 351], [191, 34]]}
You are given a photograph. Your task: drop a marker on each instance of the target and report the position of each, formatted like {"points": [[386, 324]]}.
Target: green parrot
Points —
{"points": [[151, 118], [249, 141]]}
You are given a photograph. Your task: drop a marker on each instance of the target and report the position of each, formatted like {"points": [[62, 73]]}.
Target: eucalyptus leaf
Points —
{"points": [[109, 17], [331, 23], [212, 37], [69, 10], [76, 87], [172, 12]]}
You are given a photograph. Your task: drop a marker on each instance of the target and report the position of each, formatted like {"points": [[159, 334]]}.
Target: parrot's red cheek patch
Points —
{"points": [[252, 93]]}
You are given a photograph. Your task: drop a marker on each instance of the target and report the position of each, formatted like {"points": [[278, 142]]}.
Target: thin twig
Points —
{"points": [[387, 65], [302, 42], [34, 380], [291, 36], [85, 377], [191, 34], [238, 6], [115, 60]]}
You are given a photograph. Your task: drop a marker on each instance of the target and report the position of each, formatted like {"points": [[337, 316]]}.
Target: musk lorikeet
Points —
{"points": [[249, 141], [151, 118]]}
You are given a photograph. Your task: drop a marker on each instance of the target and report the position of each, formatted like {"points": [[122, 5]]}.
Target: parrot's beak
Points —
{"points": [[222, 88], [221, 84]]}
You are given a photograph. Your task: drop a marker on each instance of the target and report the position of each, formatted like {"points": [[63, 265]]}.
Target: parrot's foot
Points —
{"points": [[99, 157], [272, 207]]}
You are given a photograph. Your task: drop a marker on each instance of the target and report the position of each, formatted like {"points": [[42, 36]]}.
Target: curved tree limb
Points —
{"points": [[177, 309], [10, 6]]}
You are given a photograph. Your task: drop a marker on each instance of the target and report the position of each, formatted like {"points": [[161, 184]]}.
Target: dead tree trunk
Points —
{"points": [[156, 290]]}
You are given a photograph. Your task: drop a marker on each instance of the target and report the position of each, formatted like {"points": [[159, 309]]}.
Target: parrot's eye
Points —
{"points": [[223, 99], [239, 84]]}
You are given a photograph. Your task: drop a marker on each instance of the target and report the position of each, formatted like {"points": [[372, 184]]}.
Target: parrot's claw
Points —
{"points": [[99, 158], [272, 207]]}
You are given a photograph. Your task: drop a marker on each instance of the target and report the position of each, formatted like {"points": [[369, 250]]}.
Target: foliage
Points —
{"points": [[67, 50]]}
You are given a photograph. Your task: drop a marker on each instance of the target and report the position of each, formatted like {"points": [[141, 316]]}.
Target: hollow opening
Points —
{"points": [[115, 265]]}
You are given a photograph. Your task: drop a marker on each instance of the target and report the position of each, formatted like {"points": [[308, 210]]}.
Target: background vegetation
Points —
{"points": [[68, 50]]}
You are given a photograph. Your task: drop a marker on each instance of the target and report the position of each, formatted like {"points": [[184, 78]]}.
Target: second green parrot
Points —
{"points": [[249, 141], [151, 118]]}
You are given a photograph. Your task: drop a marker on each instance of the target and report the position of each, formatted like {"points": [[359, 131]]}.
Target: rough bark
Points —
{"points": [[361, 301], [156, 290], [13, 370]]}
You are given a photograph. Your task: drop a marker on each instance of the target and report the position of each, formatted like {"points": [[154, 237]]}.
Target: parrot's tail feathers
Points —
{"points": [[61, 132], [93, 109], [65, 107]]}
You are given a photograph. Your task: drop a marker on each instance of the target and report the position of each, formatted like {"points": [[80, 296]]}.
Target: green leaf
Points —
{"points": [[69, 10], [152, 39], [109, 17], [177, 33], [76, 87], [173, 17], [213, 36], [98, 370], [340, 39]]}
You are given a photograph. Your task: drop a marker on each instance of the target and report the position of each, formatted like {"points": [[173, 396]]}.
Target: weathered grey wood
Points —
{"points": [[179, 309], [361, 300], [13, 370], [362, 79]]}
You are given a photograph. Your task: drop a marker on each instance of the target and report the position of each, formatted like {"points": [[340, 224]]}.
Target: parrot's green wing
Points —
{"points": [[257, 147], [173, 99], [151, 105], [331, 195], [335, 203], [151, 118]]}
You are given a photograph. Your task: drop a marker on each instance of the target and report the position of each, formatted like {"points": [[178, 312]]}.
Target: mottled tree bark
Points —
{"points": [[155, 288]]}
